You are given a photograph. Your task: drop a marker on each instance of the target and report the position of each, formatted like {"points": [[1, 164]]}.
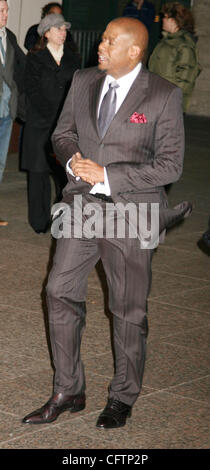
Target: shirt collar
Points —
{"points": [[128, 78]]}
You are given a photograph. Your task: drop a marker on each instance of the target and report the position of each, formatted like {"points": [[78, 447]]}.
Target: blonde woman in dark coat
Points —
{"points": [[49, 71]]}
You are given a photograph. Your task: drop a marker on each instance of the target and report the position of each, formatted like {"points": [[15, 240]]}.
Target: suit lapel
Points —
{"points": [[95, 92], [9, 56]]}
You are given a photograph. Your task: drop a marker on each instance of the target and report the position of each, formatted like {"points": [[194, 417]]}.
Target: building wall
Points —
{"points": [[22, 14], [200, 102]]}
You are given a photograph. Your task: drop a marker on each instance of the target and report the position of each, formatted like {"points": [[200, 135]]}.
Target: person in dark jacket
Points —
{"points": [[49, 71], [12, 62], [143, 10], [32, 35]]}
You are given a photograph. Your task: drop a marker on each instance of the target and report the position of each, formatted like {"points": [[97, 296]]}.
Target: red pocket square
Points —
{"points": [[138, 118]]}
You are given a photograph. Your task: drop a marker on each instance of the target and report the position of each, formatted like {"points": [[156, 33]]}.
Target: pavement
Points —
{"points": [[172, 410]]}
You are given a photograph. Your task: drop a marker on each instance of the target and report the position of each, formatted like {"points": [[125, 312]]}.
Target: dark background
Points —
{"points": [[95, 14]]}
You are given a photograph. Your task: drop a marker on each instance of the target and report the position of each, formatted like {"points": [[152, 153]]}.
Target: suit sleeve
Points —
{"points": [[19, 62], [167, 163]]}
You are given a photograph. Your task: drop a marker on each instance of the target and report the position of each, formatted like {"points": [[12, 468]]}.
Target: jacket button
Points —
{"points": [[102, 146]]}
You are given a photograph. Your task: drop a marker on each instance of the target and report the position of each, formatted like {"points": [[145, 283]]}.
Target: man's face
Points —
{"points": [[114, 51], [3, 13]]}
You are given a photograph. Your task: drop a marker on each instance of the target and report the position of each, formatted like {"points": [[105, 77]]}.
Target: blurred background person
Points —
{"points": [[32, 35], [49, 70], [142, 10], [12, 62], [175, 56]]}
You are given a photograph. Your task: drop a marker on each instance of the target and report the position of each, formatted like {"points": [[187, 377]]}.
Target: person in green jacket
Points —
{"points": [[175, 57]]}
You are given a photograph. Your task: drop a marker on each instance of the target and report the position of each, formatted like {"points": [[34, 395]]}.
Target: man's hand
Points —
{"points": [[87, 170]]}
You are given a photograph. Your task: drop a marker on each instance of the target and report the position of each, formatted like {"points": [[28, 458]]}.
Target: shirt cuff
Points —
{"points": [[106, 183], [104, 188], [69, 170]]}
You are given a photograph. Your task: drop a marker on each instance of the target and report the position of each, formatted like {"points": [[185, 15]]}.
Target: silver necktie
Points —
{"points": [[107, 109], [2, 51]]}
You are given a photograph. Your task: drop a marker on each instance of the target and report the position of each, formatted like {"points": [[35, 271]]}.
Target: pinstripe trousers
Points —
{"points": [[128, 273]]}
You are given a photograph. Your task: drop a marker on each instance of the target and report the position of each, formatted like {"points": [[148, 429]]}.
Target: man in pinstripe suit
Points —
{"points": [[140, 151]]}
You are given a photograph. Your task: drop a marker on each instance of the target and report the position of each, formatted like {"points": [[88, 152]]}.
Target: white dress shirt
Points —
{"points": [[125, 84]]}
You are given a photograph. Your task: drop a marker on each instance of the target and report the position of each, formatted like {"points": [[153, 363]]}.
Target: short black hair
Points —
{"points": [[46, 9]]}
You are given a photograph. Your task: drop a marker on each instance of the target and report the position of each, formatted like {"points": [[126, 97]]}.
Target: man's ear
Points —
{"points": [[135, 52]]}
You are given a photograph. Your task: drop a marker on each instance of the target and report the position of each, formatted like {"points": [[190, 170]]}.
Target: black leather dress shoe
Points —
{"points": [[56, 405], [114, 415]]}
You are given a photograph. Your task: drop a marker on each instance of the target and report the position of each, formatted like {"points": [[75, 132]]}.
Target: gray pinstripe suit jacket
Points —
{"points": [[140, 158]]}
